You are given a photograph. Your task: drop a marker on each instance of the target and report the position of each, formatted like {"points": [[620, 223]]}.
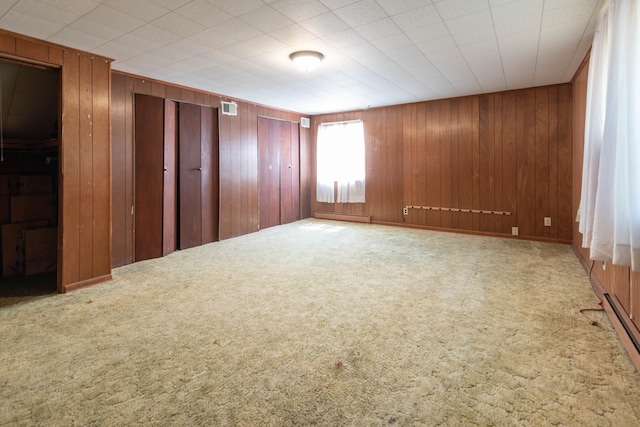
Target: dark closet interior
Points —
{"points": [[176, 176], [29, 172]]}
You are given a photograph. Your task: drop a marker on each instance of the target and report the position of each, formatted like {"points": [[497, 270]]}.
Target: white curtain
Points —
{"points": [[340, 158], [609, 212]]}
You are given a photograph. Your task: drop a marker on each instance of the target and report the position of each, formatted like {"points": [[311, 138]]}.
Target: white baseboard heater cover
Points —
{"points": [[343, 217]]}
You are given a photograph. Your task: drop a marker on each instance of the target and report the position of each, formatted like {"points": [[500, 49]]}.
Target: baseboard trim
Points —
{"points": [[85, 283], [343, 217]]}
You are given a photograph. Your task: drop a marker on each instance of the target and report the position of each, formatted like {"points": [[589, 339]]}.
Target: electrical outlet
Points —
{"points": [[405, 211], [604, 266], [547, 221], [514, 231]]}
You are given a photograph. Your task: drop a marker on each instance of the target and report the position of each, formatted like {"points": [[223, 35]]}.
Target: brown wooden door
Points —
{"points": [[170, 209], [154, 222], [278, 143], [209, 161], [268, 141], [289, 172], [190, 176], [198, 166]]}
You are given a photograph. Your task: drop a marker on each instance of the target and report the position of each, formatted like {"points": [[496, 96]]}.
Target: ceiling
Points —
{"points": [[377, 52]]}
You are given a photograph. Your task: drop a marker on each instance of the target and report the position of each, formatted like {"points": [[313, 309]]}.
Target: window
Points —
{"points": [[340, 159], [609, 212]]}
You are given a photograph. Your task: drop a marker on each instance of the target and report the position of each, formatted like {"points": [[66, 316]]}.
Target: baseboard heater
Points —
{"points": [[623, 322], [343, 217]]}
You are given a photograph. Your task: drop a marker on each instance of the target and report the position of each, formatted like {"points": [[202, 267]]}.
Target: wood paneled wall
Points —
{"points": [[84, 240], [239, 212], [507, 152], [620, 282]]}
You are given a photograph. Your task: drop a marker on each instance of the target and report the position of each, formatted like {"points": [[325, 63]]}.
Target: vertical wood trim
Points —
{"points": [[541, 161], [170, 178], [119, 180], [86, 168], [70, 167], [101, 162]]}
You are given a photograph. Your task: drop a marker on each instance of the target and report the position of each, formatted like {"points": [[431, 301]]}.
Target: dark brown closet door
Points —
{"points": [[190, 176], [209, 159], [269, 143], [289, 173], [279, 144], [170, 209], [198, 165], [154, 222]]}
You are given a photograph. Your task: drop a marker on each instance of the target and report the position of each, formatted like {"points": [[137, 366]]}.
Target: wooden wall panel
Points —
{"points": [[238, 151], [84, 211], [506, 152]]}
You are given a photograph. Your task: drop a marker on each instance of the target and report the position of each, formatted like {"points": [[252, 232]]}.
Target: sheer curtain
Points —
{"points": [[609, 211], [340, 157]]}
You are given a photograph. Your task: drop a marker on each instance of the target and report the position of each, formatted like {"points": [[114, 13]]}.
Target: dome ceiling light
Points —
{"points": [[306, 60]]}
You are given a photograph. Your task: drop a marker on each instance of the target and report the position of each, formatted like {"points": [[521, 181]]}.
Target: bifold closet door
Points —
{"points": [[289, 172], [269, 146], [278, 142], [198, 175], [155, 177]]}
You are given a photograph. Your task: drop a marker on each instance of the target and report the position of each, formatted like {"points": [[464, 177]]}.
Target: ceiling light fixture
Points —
{"points": [[306, 60]]}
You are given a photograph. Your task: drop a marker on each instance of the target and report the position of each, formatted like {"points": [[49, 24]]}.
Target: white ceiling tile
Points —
{"points": [[299, 10], [474, 36], [27, 24], [85, 41], [343, 39], [361, 13], [580, 12], [470, 22], [113, 18], [45, 12], [213, 39], [518, 24], [324, 24], [450, 9], [178, 24], [97, 29], [141, 9], [292, 35], [237, 30], [238, 8], [204, 13], [437, 45], [266, 19], [155, 35], [428, 33], [390, 43], [517, 9], [395, 7], [167, 4], [417, 18], [374, 30], [75, 7]]}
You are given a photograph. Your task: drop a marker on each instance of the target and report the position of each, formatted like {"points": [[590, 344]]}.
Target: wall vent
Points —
{"points": [[305, 122], [229, 108]]}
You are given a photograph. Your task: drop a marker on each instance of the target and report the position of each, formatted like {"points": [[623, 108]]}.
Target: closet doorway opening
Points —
{"points": [[29, 178]]}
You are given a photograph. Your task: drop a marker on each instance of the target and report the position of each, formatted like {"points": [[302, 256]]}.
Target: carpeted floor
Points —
{"points": [[324, 323]]}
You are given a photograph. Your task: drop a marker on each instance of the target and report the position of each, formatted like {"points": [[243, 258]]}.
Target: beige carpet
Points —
{"points": [[324, 323]]}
